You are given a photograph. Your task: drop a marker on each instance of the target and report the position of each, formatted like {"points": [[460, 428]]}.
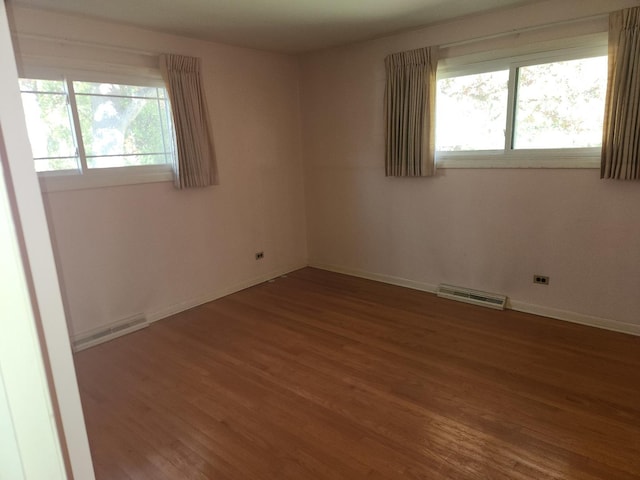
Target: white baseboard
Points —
{"points": [[104, 333], [181, 307], [573, 317], [210, 297], [378, 277], [567, 316]]}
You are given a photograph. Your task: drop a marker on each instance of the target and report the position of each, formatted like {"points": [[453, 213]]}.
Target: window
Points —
{"points": [[473, 104], [560, 104], [49, 125], [90, 129], [538, 110]]}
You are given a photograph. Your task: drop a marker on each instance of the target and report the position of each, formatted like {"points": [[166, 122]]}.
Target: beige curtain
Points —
{"points": [[410, 113], [196, 162], [621, 135]]}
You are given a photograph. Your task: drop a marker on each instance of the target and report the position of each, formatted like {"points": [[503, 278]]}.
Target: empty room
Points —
{"points": [[320, 240]]}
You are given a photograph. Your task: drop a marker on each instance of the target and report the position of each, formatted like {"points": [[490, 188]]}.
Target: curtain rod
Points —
{"points": [[518, 31]]}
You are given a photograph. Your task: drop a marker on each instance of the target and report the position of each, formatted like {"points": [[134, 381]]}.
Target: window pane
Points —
{"points": [[51, 164], [123, 125], [49, 125], [472, 112], [561, 104], [35, 85], [114, 89], [167, 125]]}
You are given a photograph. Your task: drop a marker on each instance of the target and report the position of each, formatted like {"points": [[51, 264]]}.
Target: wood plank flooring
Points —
{"points": [[325, 376]]}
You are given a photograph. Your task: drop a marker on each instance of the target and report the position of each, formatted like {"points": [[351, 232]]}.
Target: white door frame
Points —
{"points": [[36, 363]]}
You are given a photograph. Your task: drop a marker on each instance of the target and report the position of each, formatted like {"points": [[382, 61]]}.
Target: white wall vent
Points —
{"points": [[104, 334], [475, 297]]}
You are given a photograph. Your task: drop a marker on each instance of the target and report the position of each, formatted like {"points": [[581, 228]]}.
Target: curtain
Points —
{"points": [[195, 165], [410, 113], [621, 134]]}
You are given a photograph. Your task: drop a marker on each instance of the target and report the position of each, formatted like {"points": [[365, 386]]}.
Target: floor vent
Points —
{"points": [[128, 325], [475, 297]]}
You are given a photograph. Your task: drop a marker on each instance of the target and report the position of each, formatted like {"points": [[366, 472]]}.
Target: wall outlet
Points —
{"points": [[541, 279], [259, 255]]}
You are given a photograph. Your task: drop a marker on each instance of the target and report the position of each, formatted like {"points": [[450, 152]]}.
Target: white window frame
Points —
{"points": [[520, 158], [85, 178]]}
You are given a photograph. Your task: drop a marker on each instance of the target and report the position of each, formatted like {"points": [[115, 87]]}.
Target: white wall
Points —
{"points": [[148, 248], [153, 249], [479, 228]]}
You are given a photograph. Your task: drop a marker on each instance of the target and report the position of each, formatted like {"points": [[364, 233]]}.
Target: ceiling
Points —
{"points": [[280, 25]]}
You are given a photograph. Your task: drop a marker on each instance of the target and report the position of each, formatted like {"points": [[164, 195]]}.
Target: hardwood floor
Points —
{"points": [[325, 376]]}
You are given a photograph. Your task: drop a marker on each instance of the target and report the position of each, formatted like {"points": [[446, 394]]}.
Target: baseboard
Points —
{"points": [[182, 306], [573, 317], [567, 316], [196, 301], [543, 311], [104, 333], [378, 277]]}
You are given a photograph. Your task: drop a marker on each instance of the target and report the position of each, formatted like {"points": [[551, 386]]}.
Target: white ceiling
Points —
{"points": [[279, 25]]}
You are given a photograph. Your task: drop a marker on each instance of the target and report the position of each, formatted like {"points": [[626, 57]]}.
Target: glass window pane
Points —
{"points": [[36, 85], [114, 89], [51, 164], [561, 104], [471, 112], [50, 130], [123, 125], [167, 125]]}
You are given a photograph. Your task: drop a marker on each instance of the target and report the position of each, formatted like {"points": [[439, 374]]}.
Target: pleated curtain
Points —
{"points": [[410, 113], [621, 133], [195, 165]]}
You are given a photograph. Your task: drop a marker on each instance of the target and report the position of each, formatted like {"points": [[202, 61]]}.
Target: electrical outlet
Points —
{"points": [[541, 279], [259, 255]]}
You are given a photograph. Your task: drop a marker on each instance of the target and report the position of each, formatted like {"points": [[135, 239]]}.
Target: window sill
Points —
{"points": [[574, 158], [108, 177]]}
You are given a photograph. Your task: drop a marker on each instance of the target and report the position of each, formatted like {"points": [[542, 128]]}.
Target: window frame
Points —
{"points": [[510, 157], [84, 177]]}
